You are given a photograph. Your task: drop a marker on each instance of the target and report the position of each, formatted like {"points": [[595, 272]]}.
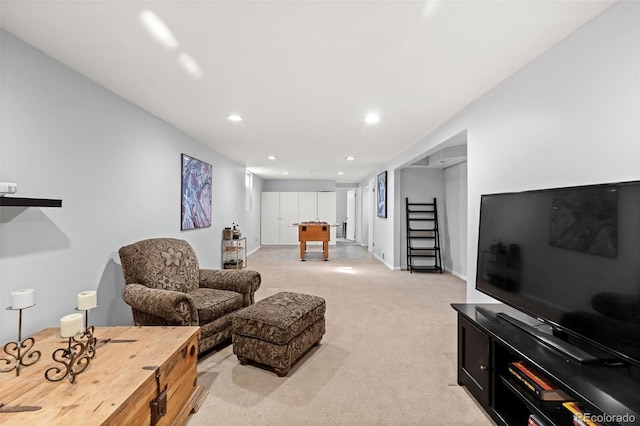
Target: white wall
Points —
{"points": [[455, 231], [251, 227], [363, 214], [569, 117], [116, 169], [384, 230]]}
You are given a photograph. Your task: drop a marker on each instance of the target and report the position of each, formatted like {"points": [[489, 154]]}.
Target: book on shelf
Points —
{"points": [[535, 383], [532, 398], [579, 417], [535, 421]]}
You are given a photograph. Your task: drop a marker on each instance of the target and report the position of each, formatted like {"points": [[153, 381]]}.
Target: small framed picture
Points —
{"points": [[382, 194]]}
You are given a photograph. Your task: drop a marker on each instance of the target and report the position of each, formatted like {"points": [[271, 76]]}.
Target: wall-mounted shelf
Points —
{"points": [[29, 202]]}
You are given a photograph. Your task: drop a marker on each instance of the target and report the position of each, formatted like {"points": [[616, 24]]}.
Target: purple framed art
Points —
{"points": [[196, 193]]}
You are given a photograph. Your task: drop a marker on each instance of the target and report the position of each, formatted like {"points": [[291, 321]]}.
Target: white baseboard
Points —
{"points": [[457, 274], [384, 262], [254, 250]]}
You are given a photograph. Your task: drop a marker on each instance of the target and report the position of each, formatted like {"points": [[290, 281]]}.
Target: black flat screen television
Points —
{"points": [[569, 257]]}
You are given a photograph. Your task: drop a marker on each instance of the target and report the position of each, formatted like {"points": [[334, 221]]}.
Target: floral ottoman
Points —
{"points": [[278, 330]]}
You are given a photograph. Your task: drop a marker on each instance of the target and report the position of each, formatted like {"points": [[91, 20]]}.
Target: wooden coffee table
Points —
{"points": [[118, 386]]}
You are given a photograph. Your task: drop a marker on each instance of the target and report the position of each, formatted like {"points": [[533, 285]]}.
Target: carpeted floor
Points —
{"points": [[388, 356]]}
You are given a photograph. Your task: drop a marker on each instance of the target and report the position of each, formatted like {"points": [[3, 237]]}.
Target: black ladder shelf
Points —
{"points": [[423, 237]]}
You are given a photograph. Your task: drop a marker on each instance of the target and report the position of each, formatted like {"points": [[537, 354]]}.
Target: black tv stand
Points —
{"points": [[557, 343], [488, 343]]}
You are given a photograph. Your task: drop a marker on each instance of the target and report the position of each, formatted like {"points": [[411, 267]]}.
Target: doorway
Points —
{"points": [[351, 215]]}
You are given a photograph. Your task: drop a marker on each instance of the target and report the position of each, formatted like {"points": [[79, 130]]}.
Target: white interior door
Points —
{"points": [[288, 216], [270, 218], [351, 215]]}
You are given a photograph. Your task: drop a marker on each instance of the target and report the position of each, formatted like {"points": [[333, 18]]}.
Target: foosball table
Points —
{"points": [[314, 231]]}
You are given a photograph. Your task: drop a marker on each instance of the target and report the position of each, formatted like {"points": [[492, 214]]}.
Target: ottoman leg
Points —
{"points": [[281, 372], [243, 361]]}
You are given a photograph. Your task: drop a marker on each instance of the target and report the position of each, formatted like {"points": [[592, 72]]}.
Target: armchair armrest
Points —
{"points": [[174, 307], [242, 281]]}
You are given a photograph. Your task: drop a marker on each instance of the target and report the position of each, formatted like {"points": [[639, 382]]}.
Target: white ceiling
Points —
{"points": [[303, 74]]}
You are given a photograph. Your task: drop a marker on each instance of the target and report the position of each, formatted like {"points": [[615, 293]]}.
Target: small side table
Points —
{"points": [[234, 253]]}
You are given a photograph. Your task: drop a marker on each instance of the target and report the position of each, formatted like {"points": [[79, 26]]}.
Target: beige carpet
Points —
{"points": [[388, 356]]}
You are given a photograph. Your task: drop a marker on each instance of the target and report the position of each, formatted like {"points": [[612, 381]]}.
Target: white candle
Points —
{"points": [[70, 325], [21, 299], [87, 300]]}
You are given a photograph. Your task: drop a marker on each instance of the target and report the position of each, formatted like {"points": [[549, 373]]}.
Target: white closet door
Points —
{"points": [[327, 211], [288, 216], [270, 218], [307, 206], [308, 210]]}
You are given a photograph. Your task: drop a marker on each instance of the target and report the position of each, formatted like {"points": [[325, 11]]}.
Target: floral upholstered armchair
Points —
{"points": [[164, 285]]}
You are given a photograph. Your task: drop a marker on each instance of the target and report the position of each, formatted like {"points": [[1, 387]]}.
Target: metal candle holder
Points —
{"points": [[16, 357], [76, 357], [88, 333]]}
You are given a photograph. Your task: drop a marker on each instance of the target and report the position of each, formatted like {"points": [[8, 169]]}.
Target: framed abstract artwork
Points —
{"points": [[196, 193], [382, 194]]}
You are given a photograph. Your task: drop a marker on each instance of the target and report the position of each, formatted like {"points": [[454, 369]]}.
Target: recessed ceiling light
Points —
{"points": [[349, 158], [372, 118], [271, 157], [158, 29], [285, 173], [234, 117], [340, 173]]}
